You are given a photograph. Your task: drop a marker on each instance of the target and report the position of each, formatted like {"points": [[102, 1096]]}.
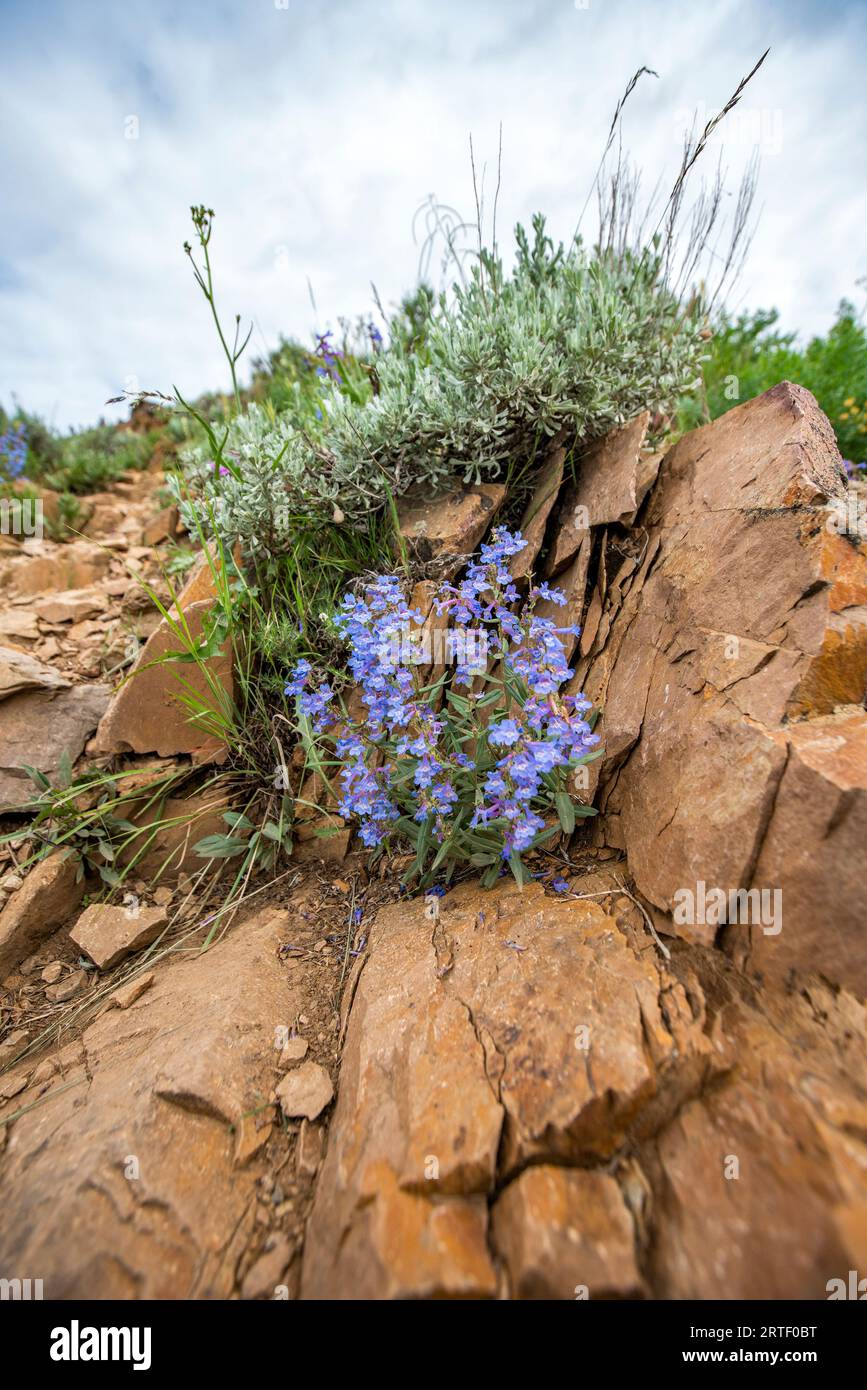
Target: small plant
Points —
{"points": [[203, 219], [13, 450], [571, 339], [461, 777], [97, 457], [41, 444], [86, 816]]}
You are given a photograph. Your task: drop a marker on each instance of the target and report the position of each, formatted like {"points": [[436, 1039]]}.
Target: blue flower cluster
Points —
{"points": [[329, 357], [13, 450], [376, 628], [404, 739], [546, 731], [314, 703]]}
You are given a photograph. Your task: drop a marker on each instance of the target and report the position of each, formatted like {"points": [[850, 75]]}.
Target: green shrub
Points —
{"points": [[43, 444], [749, 355], [569, 339], [90, 461]]}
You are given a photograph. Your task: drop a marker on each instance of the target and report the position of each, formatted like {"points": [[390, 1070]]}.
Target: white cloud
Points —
{"points": [[315, 131]]}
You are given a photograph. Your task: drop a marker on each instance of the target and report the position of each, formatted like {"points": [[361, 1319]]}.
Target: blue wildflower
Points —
{"points": [[13, 449]]}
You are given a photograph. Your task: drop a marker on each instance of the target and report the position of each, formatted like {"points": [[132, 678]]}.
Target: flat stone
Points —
{"points": [[122, 1183], [535, 519], [109, 934], [452, 523], [161, 527], [127, 995], [19, 671], [49, 894], [146, 714], [605, 490], [37, 727], [71, 606], [295, 1050], [18, 625], [66, 988], [50, 568], [305, 1091]]}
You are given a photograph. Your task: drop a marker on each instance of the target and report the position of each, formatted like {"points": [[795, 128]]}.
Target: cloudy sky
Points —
{"points": [[316, 130]]}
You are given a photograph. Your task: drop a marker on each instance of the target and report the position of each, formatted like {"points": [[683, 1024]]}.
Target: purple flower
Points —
{"points": [[552, 595], [329, 357], [504, 734], [13, 450], [315, 704], [405, 758]]}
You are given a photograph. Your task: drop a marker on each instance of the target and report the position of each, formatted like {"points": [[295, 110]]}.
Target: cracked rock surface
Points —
{"points": [[123, 1183], [531, 1099], [726, 642]]}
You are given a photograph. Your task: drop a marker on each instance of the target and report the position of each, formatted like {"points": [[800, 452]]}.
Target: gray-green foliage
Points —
{"points": [[569, 338]]}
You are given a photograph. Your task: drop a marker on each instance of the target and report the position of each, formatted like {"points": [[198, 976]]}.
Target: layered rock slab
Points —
{"points": [[119, 1181], [450, 524], [507, 1029], [51, 891], [37, 727], [166, 707], [746, 616], [758, 1184], [533, 1104], [566, 1233]]}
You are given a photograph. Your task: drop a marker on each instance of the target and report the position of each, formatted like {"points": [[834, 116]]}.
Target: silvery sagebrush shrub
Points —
{"points": [[568, 338], [461, 770]]}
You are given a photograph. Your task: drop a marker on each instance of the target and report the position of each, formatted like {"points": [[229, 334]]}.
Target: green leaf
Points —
{"points": [[565, 811], [518, 869], [219, 847], [38, 777], [64, 771]]}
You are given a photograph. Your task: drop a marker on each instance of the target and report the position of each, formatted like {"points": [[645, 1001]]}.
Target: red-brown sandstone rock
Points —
{"points": [[48, 895], [148, 713], [122, 1182], [745, 614], [452, 523], [566, 1233]]}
